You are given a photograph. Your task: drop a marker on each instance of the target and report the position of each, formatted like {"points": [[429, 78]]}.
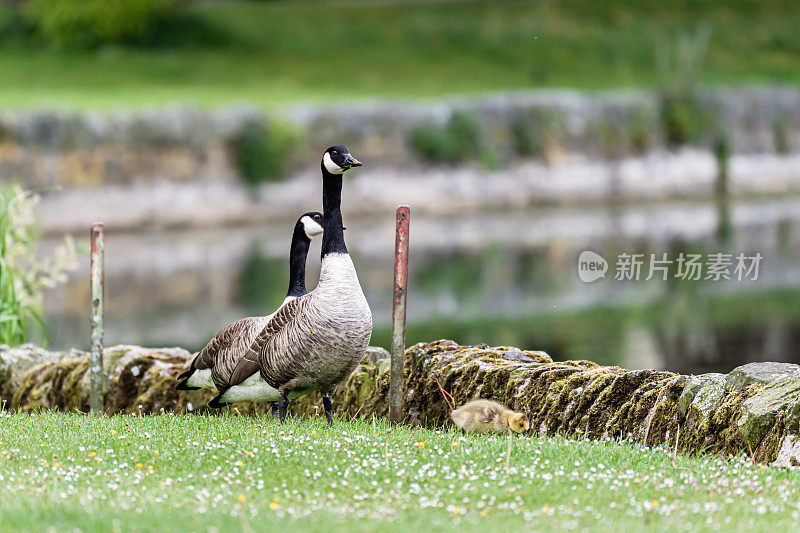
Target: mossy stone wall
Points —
{"points": [[754, 410]]}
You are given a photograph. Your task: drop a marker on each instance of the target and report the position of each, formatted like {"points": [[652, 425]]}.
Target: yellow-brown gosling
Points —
{"points": [[486, 416]]}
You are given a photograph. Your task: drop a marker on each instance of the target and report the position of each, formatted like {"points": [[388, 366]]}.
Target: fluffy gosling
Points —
{"points": [[486, 416]]}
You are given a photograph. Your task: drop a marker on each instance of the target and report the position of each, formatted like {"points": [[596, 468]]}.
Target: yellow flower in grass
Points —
{"points": [[484, 513], [274, 504], [242, 498], [139, 465], [421, 444]]}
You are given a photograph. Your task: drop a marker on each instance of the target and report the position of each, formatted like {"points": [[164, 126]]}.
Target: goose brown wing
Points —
{"points": [[249, 363], [207, 357], [222, 353]]}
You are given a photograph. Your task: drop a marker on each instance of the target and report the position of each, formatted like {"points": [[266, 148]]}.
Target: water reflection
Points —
{"points": [[499, 278]]}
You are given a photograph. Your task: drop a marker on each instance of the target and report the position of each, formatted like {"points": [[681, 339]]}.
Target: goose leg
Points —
{"points": [[274, 409], [282, 403], [327, 403]]}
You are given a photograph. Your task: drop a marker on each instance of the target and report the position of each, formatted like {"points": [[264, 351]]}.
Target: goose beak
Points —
{"points": [[350, 162], [527, 433]]}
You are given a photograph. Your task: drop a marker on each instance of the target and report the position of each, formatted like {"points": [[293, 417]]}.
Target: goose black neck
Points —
{"points": [[333, 236], [297, 261]]}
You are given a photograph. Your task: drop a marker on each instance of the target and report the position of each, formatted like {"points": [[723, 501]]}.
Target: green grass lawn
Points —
{"points": [[270, 53], [200, 473]]}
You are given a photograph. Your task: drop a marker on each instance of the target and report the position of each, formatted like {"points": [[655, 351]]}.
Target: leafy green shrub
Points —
{"points": [[457, 141], [680, 62], [683, 119], [639, 134], [464, 131], [525, 143], [22, 277], [66, 23], [429, 141], [263, 151], [534, 130]]}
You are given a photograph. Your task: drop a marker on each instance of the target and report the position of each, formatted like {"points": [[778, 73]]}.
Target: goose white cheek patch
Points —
{"points": [[310, 227], [330, 166]]}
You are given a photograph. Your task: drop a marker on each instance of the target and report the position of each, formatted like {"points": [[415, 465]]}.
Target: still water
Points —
{"points": [[506, 277]]}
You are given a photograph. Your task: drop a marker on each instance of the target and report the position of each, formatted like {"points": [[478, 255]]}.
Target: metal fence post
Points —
{"points": [[399, 314], [96, 319]]}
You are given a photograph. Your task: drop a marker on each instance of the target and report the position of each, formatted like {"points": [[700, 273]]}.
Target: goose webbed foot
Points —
{"points": [[274, 409], [282, 402], [327, 403]]}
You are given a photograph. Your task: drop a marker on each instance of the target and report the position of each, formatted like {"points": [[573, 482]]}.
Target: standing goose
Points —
{"points": [[213, 365], [315, 341]]}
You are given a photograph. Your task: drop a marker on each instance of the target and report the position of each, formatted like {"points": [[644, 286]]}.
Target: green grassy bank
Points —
{"points": [[271, 53], [198, 473]]}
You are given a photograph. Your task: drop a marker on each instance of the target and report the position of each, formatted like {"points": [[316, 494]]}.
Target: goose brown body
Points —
{"points": [[317, 340]]}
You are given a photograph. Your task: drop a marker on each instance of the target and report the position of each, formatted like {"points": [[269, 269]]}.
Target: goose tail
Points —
{"points": [[183, 379], [216, 403]]}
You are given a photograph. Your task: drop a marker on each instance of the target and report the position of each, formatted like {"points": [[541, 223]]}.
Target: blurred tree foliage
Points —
{"points": [[264, 151], [456, 141], [88, 23]]}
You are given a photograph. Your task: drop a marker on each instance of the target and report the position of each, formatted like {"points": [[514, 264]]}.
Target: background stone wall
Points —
{"points": [[180, 144]]}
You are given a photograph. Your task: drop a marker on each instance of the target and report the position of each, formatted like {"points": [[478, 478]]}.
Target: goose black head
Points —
{"points": [[337, 159], [311, 224]]}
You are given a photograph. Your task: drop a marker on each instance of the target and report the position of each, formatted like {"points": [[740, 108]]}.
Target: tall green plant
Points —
{"points": [[680, 64], [22, 276]]}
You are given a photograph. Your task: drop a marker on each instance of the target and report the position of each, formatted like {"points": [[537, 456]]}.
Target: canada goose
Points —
{"points": [[314, 341], [486, 416], [213, 365]]}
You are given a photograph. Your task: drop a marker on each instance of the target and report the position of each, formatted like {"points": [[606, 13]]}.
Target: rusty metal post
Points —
{"points": [[399, 314], [96, 319]]}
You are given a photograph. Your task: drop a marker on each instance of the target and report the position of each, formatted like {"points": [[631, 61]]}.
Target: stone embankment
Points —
{"points": [[755, 409]]}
